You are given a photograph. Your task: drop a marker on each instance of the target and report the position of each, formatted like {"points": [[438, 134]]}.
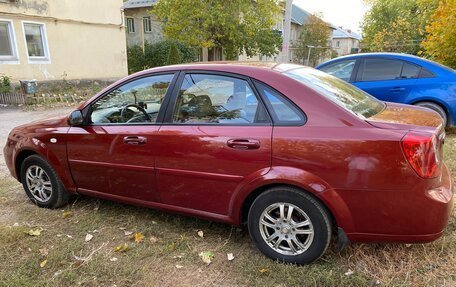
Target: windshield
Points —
{"points": [[345, 95]]}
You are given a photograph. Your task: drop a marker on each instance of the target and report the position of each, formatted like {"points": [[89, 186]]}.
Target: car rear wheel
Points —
{"points": [[41, 183], [289, 225], [436, 108]]}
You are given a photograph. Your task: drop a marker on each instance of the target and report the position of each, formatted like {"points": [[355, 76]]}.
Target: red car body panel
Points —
{"points": [[355, 167]]}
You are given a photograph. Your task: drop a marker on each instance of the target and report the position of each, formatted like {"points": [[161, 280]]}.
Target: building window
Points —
{"points": [[147, 22], [337, 44], [8, 47], [35, 38], [130, 25]]}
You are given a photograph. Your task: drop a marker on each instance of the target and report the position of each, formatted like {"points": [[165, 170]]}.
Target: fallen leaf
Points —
{"points": [[43, 263], [200, 233], [263, 270], [207, 256], [179, 266], [139, 237], [122, 228], [121, 248], [230, 256], [15, 224], [113, 259], [88, 237], [153, 239], [69, 236], [67, 214], [44, 251], [35, 232], [154, 222], [128, 232], [349, 272], [408, 245]]}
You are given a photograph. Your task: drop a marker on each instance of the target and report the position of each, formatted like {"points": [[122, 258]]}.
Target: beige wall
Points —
{"points": [[345, 45], [136, 38], [86, 39]]}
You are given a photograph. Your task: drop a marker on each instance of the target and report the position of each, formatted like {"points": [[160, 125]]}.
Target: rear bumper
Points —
{"points": [[423, 219]]}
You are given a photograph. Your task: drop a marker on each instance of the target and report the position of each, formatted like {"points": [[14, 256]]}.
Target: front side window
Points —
{"points": [[147, 22], [340, 92], [214, 99], [343, 70], [130, 25], [381, 69], [8, 51], [35, 37], [137, 102]]}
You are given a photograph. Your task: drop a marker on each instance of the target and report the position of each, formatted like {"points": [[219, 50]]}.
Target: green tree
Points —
{"points": [[314, 33], [440, 44], [396, 25], [174, 55], [157, 55], [234, 26]]}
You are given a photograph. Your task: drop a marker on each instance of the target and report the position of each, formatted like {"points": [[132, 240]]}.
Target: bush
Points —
{"points": [[157, 55], [5, 84], [174, 55]]}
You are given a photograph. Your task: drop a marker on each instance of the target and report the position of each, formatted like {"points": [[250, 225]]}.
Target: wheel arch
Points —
{"points": [[20, 157], [302, 180]]}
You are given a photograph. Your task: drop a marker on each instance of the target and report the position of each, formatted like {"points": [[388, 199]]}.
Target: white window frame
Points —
{"points": [[131, 28], [46, 59], [14, 59], [149, 21]]}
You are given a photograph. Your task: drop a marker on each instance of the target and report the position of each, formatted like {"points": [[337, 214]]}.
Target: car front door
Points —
{"points": [[111, 154], [216, 136], [388, 80]]}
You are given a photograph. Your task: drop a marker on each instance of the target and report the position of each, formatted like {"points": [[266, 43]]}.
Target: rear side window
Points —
{"points": [[424, 73], [381, 69], [282, 110], [410, 71]]}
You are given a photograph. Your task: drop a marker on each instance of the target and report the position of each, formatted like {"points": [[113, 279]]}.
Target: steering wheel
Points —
{"points": [[141, 109]]}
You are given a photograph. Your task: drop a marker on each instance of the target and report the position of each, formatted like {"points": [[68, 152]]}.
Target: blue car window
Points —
{"points": [[381, 69], [424, 73], [410, 71], [342, 70]]}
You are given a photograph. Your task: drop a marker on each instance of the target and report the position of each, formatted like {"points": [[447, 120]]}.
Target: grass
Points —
{"points": [[168, 254]]}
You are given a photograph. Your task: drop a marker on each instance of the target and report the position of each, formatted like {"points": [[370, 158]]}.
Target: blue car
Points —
{"points": [[400, 78]]}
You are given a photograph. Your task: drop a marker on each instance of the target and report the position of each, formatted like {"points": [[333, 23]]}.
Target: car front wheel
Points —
{"points": [[41, 183], [289, 225]]}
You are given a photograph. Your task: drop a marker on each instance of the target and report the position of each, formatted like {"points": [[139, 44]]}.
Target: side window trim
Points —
{"points": [[171, 104], [270, 110], [355, 71], [86, 111]]}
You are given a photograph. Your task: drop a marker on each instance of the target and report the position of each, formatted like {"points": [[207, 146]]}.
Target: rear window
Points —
{"points": [[340, 92]]}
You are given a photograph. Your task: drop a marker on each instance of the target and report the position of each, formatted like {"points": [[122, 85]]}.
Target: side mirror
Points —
{"points": [[75, 118]]}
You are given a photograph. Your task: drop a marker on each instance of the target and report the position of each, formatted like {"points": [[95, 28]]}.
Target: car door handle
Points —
{"points": [[134, 140], [397, 89], [243, 143]]}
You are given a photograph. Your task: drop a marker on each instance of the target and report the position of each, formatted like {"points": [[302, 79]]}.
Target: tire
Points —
{"points": [[306, 209], [41, 183], [436, 108]]}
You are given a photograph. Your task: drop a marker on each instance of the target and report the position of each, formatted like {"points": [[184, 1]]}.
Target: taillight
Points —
{"points": [[421, 151]]}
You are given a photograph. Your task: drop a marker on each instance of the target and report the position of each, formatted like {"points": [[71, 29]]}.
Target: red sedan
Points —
{"points": [[295, 154]]}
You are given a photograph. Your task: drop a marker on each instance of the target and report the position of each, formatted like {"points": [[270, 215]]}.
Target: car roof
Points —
{"points": [[247, 68], [433, 66]]}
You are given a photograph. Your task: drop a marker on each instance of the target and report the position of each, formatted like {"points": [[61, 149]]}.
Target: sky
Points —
{"points": [[345, 13]]}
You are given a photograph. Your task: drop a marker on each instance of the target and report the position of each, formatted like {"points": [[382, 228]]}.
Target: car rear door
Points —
{"points": [[111, 155], [388, 80], [216, 136]]}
